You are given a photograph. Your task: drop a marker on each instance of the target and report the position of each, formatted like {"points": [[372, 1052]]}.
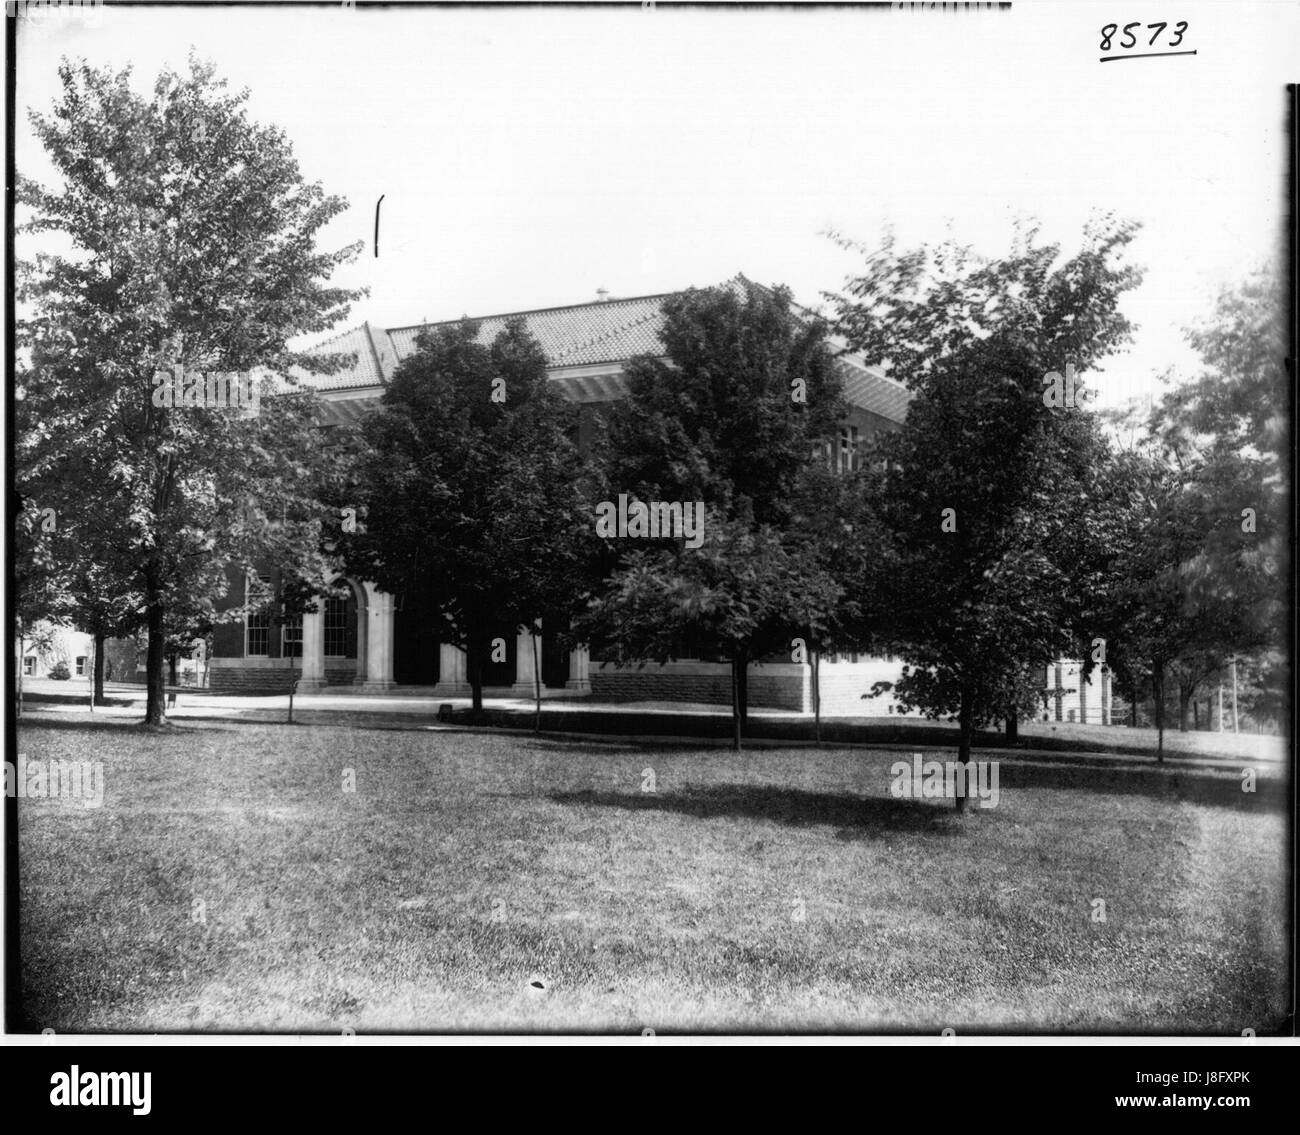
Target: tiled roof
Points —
{"points": [[607, 331], [587, 334], [373, 365]]}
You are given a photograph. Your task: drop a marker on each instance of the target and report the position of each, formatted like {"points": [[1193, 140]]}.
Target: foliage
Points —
{"points": [[475, 508], [984, 494], [192, 244], [730, 420]]}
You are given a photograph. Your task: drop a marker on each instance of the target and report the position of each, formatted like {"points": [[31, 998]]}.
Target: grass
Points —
{"points": [[508, 883]]}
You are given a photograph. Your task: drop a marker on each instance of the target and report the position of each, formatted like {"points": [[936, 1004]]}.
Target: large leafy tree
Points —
{"points": [[1201, 560], [72, 565], [473, 501], [189, 240], [1225, 435], [741, 593], [731, 418], [984, 501], [983, 495]]}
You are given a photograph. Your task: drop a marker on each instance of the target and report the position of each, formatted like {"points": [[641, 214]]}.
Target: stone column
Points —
{"points": [[379, 641], [524, 667], [313, 650], [579, 671], [453, 672]]}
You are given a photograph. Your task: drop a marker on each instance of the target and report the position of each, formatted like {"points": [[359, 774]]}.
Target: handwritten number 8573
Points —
{"points": [[1110, 29]]}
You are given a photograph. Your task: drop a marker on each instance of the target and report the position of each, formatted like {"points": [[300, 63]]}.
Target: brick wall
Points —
{"points": [[251, 680], [698, 682], [277, 679]]}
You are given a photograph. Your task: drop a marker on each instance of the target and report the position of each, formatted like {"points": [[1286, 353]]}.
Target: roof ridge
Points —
{"points": [[536, 311], [374, 351]]}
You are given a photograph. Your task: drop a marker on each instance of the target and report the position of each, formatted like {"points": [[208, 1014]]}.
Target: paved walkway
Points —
{"points": [[419, 709]]}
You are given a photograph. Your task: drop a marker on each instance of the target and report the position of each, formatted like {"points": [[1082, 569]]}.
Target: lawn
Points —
{"points": [[496, 881]]}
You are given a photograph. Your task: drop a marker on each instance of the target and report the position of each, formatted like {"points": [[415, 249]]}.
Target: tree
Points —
{"points": [[1226, 435], [739, 594], [836, 531], [1201, 562], [1179, 604], [471, 492], [749, 389], [984, 501], [193, 246], [983, 495]]}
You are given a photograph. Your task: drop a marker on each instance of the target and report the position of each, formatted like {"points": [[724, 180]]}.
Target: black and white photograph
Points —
{"points": [[651, 520]]}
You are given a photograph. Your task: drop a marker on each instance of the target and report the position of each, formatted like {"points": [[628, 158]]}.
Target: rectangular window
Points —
{"points": [[336, 628], [848, 457], [29, 666], [81, 664], [258, 620], [291, 639]]}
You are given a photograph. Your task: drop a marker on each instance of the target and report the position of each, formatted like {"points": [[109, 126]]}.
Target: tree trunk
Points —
{"points": [[537, 686], [474, 669], [742, 689], [817, 696], [736, 664], [1184, 700], [965, 715], [98, 696], [172, 659], [1013, 725], [155, 712], [1196, 714], [1158, 689]]}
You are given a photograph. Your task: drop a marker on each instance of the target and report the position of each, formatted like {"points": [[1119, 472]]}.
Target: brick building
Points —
{"points": [[365, 642]]}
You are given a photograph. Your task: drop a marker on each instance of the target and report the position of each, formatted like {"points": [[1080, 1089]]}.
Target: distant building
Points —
{"points": [[47, 645], [1070, 697]]}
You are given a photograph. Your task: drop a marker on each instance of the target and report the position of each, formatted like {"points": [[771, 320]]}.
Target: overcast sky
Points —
{"points": [[529, 157]]}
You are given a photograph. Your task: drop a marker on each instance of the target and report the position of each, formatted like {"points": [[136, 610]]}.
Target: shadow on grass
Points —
{"points": [[867, 816], [1167, 783], [126, 726], [616, 746], [75, 699], [857, 817]]}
